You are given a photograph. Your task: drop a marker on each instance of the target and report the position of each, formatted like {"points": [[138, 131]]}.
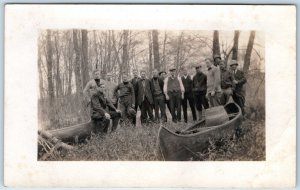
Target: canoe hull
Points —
{"points": [[182, 147]]}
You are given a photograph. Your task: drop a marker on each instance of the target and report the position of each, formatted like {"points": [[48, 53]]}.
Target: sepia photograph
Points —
{"points": [[151, 95]]}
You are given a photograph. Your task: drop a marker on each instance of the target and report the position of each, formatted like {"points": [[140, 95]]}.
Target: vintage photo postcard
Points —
{"points": [[150, 96]]}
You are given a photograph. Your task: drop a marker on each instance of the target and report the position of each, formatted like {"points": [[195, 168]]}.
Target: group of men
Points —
{"points": [[121, 101]]}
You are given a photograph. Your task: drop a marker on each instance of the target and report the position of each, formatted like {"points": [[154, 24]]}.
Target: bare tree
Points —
{"points": [[40, 63], [216, 43], [235, 45], [163, 62], [249, 51], [84, 61], [49, 66], [155, 49], [125, 52], [58, 82], [150, 52], [77, 63]]}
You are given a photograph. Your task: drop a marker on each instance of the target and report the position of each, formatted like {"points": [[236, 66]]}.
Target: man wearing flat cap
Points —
{"points": [[174, 92], [238, 80], [199, 91]]}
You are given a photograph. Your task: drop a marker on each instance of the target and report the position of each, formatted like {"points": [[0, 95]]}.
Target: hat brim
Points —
{"points": [[234, 64]]}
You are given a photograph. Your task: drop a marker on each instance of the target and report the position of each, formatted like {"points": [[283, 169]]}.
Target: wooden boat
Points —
{"points": [[184, 145], [73, 133]]}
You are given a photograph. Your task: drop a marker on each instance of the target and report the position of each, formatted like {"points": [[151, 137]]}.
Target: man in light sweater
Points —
{"points": [[174, 91], [214, 92]]}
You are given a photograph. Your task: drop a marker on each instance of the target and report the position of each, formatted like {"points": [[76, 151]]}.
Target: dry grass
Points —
{"points": [[140, 144]]}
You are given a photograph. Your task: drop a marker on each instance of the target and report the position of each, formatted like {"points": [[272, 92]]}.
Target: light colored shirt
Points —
{"points": [[166, 85]]}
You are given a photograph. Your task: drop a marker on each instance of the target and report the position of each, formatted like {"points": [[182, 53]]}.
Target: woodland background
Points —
{"points": [[67, 59]]}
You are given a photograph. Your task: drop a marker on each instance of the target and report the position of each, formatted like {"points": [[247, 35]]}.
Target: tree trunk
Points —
{"points": [[235, 45], [125, 52], [84, 61], [150, 53], [155, 49], [41, 81], [58, 78], [70, 66], [49, 67], [178, 52], [216, 43], [109, 48], [77, 64], [248, 52], [164, 52]]}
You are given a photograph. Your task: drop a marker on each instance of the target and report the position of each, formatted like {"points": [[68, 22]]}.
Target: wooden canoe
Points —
{"points": [[69, 134], [184, 145]]}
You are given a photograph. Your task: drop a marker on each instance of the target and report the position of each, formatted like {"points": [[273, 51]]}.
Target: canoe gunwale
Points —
{"points": [[208, 130]]}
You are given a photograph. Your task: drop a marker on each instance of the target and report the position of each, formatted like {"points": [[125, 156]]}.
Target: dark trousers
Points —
{"points": [[159, 104], [175, 105], [200, 100], [127, 112], [101, 125], [240, 100], [146, 110], [188, 97]]}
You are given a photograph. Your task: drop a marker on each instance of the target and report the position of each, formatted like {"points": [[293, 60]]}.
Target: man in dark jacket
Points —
{"points": [[126, 99], [102, 110], [188, 95], [226, 83], [238, 80], [199, 90], [144, 98], [134, 82], [157, 86]]}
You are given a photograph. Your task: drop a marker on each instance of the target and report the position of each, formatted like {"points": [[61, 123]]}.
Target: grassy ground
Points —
{"points": [[140, 144]]}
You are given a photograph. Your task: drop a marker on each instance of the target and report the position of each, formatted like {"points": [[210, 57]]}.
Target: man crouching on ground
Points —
{"points": [[102, 110]]}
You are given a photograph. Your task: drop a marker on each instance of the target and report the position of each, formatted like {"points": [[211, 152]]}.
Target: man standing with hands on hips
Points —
{"points": [[174, 91]]}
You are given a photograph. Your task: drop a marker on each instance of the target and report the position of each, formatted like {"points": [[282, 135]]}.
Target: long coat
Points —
{"points": [[144, 92]]}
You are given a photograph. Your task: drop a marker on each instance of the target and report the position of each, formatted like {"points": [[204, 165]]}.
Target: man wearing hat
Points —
{"points": [[217, 60], [214, 92], [226, 83], [145, 98], [127, 99], [110, 87], [238, 80], [174, 92], [162, 76], [188, 95], [90, 88], [134, 82], [157, 86], [199, 90]]}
